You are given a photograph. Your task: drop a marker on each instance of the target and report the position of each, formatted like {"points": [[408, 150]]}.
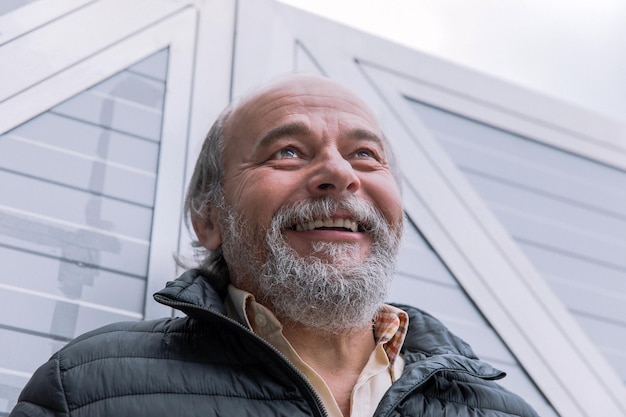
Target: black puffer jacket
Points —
{"points": [[208, 365]]}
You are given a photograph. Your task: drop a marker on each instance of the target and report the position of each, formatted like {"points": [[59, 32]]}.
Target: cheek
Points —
{"points": [[389, 201], [256, 195]]}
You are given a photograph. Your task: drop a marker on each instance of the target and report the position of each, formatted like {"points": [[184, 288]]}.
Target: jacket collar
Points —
{"points": [[428, 347], [429, 336], [190, 293], [430, 344]]}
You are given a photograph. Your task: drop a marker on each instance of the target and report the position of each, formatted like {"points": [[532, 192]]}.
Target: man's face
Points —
{"points": [[312, 214], [303, 140]]}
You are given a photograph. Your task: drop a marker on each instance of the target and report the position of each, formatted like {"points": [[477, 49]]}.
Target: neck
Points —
{"points": [[352, 346], [339, 359]]}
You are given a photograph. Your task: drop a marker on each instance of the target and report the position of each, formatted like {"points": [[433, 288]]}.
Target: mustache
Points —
{"points": [[367, 216]]}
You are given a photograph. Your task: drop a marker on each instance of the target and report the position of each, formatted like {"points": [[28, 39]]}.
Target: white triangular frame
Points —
{"points": [[114, 35]]}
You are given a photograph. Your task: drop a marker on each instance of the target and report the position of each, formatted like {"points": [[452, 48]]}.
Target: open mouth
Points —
{"points": [[347, 225]]}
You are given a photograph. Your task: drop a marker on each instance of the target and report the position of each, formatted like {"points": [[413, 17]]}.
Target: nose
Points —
{"points": [[333, 175]]}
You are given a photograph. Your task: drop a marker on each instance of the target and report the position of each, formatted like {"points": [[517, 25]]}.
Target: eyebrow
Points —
{"points": [[364, 134], [297, 129], [289, 129]]}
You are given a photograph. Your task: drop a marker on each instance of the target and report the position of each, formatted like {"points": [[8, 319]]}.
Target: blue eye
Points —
{"points": [[364, 153], [287, 153]]}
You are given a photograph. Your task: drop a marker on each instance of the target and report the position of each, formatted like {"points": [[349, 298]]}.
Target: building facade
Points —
{"points": [[515, 203]]}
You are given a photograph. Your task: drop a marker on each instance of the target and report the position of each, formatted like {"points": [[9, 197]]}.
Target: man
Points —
{"points": [[295, 204]]}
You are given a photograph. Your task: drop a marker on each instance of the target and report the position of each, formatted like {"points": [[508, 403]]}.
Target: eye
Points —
{"points": [[365, 153], [286, 153]]}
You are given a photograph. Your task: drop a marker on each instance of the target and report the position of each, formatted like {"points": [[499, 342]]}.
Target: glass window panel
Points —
{"points": [[566, 212]]}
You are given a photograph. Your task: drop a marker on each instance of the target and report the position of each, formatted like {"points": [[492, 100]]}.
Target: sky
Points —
{"points": [[573, 50]]}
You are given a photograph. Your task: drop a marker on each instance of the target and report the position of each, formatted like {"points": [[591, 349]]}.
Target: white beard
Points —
{"points": [[328, 290]]}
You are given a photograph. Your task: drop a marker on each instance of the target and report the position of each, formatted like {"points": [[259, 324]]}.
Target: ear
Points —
{"points": [[208, 230]]}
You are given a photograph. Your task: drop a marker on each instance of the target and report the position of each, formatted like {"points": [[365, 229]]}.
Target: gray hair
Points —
{"points": [[205, 192]]}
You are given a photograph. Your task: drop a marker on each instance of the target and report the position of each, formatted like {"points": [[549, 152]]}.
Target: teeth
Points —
{"points": [[315, 224]]}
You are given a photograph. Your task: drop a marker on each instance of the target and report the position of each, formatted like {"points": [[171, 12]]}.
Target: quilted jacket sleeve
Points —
{"points": [[43, 395]]}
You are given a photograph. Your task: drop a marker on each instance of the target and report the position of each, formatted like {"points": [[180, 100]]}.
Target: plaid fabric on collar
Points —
{"points": [[390, 329]]}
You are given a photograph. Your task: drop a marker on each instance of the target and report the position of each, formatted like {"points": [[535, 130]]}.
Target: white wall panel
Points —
{"points": [[77, 244], [423, 281], [111, 215], [566, 211], [77, 189], [453, 308], [30, 272], [61, 133], [155, 66], [124, 116], [526, 162], [17, 364], [418, 263], [92, 158], [54, 317]]}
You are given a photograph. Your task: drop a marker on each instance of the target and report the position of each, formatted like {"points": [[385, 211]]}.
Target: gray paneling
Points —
{"points": [[76, 207], [133, 88], [525, 389], [9, 391], [27, 357], [74, 243], [451, 306], [567, 213], [525, 163], [77, 188], [585, 287], [85, 140], [62, 319], [419, 263], [155, 66], [128, 103], [93, 285], [114, 113], [531, 217], [423, 281], [607, 335], [7, 6]]}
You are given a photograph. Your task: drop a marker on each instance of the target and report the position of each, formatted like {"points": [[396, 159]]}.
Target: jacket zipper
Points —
{"points": [[284, 361]]}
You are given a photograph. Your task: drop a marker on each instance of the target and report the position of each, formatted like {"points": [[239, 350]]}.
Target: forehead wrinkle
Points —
{"points": [[275, 100], [312, 99]]}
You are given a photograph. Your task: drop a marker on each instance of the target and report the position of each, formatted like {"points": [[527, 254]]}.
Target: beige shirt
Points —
{"points": [[377, 376]]}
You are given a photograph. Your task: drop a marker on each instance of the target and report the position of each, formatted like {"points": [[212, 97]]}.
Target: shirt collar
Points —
{"points": [[390, 325]]}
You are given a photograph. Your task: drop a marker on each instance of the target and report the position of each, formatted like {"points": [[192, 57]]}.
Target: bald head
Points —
{"points": [[305, 86]]}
